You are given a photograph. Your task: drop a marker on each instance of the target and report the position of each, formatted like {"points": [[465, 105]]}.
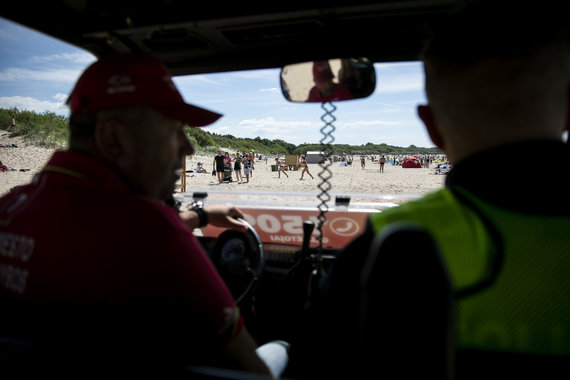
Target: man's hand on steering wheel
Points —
{"points": [[222, 215], [225, 215]]}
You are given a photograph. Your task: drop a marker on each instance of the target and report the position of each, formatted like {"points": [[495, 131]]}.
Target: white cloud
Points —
{"points": [[220, 130], [262, 74], [299, 132], [271, 126], [273, 90], [80, 58], [35, 105], [295, 132], [61, 97], [190, 80], [50, 75]]}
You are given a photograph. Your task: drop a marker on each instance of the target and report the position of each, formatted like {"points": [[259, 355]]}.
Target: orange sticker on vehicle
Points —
{"points": [[285, 226]]}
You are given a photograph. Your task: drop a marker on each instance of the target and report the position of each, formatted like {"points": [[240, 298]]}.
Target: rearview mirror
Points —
{"points": [[328, 80]]}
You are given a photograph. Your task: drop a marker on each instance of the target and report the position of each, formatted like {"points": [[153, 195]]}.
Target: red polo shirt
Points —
{"points": [[81, 253]]}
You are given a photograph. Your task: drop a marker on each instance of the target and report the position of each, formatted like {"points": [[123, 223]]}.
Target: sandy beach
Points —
{"points": [[396, 183], [23, 159]]}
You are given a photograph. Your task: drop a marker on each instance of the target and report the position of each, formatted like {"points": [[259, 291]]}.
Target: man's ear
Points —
{"points": [[425, 113], [112, 140]]}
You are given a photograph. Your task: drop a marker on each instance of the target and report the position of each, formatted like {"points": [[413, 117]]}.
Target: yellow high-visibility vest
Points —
{"points": [[510, 270]]}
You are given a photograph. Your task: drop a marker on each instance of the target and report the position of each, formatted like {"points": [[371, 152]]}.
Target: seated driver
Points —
{"points": [[93, 262]]}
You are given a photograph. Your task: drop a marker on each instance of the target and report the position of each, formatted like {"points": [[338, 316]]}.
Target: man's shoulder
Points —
{"points": [[434, 201]]}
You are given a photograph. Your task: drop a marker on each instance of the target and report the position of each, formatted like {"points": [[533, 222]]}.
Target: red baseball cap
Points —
{"points": [[127, 79]]}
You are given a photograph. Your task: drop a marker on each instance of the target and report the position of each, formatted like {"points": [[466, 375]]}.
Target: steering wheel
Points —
{"points": [[238, 257]]}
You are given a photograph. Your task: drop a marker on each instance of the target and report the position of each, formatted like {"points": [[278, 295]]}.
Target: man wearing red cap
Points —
{"points": [[92, 258], [325, 89]]}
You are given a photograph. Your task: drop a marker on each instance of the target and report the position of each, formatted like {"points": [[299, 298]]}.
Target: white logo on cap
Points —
{"points": [[119, 84]]}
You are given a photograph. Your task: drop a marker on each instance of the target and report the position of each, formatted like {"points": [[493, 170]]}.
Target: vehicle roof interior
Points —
{"points": [[229, 36]]}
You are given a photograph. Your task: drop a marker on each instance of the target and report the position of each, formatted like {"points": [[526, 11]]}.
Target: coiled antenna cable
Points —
{"points": [[325, 174]]}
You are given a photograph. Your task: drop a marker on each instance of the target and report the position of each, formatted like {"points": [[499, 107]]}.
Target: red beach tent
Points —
{"points": [[411, 162]]}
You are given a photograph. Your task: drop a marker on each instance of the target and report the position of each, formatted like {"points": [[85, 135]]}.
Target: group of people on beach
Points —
{"points": [[424, 159], [381, 161], [397, 160], [224, 166], [302, 164]]}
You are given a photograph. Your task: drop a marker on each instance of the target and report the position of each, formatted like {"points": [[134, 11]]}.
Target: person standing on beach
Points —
{"points": [[305, 166], [237, 168], [104, 267], [497, 82], [218, 166], [251, 158], [228, 164], [246, 166], [280, 167], [382, 162], [362, 162]]}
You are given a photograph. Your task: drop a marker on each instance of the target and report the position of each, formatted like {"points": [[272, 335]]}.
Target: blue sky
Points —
{"points": [[38, 72]]}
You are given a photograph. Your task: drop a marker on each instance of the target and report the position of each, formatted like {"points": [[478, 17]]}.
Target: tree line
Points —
{"points": [[50, 130]]}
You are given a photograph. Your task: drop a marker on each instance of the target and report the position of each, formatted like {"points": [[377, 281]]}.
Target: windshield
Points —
{"points": [[373, 137]]}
